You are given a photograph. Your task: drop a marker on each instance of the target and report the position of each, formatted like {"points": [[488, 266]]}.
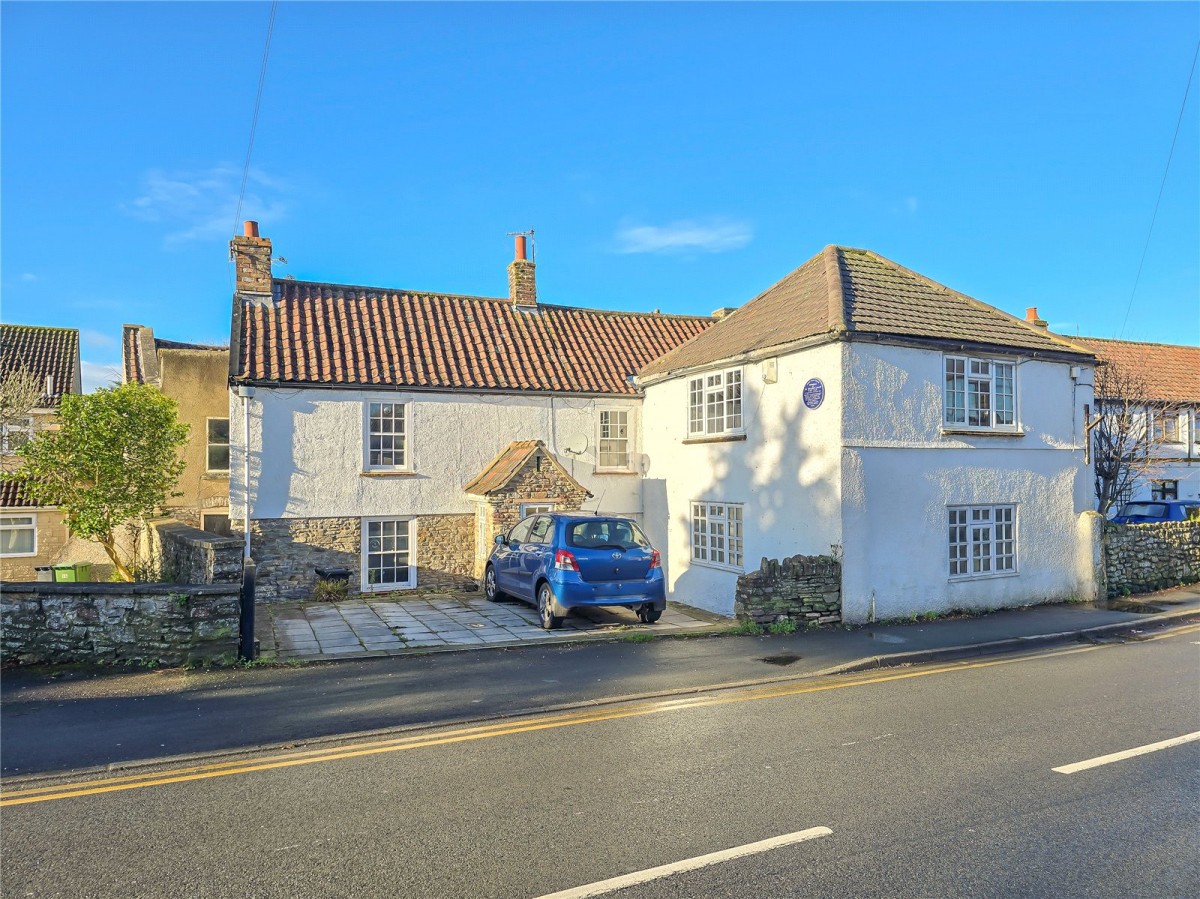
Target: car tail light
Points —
{"points": [[565, 561], [655, 559]]}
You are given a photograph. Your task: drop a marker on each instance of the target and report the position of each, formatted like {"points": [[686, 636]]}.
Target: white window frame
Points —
{"points": [[208, 445], [6, 524], [6, 431], [1161, 487], [956, 415], [407, 435], [717, 534], [715, 399], [601, 439], [527, 510], [364, 559], [981, 541]]}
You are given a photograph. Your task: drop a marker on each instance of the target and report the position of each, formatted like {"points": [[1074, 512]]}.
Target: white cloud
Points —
{"points": [[202, 205], [99, 374], [97, 339], [714, 235]]}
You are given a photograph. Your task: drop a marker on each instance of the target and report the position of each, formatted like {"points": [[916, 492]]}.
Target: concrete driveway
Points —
{"points": [[367, 626]]}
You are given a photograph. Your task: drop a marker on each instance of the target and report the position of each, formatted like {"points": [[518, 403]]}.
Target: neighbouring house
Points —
{"points": [[196, 376], [393, 433], [33, 536], [859, 409], [1169, 377]]}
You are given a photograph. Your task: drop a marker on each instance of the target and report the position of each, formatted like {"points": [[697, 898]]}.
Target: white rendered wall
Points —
{"points": [[786, 472], [1175, 461], [312, 463], [900, 472]]}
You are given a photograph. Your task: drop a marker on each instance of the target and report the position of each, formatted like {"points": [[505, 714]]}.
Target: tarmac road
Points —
{"points": [[933, 780]]}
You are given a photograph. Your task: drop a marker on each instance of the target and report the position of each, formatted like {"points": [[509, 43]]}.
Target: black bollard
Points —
{"points": [[246, 649]]}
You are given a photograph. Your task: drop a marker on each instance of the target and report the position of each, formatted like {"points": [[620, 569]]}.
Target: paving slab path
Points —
{"points": [[364, 627]]}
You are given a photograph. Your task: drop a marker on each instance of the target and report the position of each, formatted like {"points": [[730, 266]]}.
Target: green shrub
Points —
{"points": [[782, 626], [330, 591], [747, 627]]}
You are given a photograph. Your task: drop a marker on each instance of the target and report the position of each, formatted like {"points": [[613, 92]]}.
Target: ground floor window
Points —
{"points": [[717, 534], [388, 553], [528, 509], [18, 535], [215, 523], [982, 540], [1164, 490]]}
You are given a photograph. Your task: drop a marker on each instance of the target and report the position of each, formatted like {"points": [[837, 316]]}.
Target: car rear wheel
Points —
{"points": [[545, 603], [490, 589], [649, 614]]}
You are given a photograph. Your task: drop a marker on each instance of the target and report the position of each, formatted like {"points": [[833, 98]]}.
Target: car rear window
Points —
{"points": [[1150, 510], [606, 533]]}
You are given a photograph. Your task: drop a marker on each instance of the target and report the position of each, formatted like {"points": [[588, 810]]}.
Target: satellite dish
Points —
{"points": [[576, 444]]}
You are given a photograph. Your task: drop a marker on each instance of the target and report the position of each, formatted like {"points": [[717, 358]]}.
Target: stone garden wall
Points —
{"points": [[188, 555], [803, 588], [165, 624], [1140, 558]]}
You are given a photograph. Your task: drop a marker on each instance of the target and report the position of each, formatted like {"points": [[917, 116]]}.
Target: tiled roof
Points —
{"points": [[12, 496], [140, 348], [336, 334], [497, 474], [1169, 373], [843, 291], [46, 352]]}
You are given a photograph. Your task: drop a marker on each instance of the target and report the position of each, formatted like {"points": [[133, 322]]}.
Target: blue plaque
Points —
{"points": [[814, 393]]}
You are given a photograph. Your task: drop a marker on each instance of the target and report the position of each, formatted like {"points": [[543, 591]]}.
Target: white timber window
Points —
{"points": [[715, 404], [980, 394], [1164, 490], [528, 509], [13, 434], [1164, 426], [388, 434], [982, 541], [218, 445], [717, 534], [613, 447], [18, 535], [388, 557]]}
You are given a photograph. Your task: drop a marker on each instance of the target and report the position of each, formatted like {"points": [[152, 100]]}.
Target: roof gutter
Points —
{"points": [[414, 388]]}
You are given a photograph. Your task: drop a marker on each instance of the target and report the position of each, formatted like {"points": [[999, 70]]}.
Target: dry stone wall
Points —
{"points": [[1140, 558], [802, 588], [188, 555], [165, 624]]}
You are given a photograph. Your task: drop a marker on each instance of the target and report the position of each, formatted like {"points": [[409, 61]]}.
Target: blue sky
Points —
{"points": [[673, 156]]}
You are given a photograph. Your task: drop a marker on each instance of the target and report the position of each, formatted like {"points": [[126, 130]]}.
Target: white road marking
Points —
{"points": [[690, 864], [1126, 754]]}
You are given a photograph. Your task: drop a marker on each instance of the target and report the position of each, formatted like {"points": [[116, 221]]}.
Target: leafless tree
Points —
{"points": [[1123, 440], [20, 392]]}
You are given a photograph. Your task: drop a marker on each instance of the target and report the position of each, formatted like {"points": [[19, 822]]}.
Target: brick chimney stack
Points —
{"points": [[522, 285], [252, 259], [1031, 316]]}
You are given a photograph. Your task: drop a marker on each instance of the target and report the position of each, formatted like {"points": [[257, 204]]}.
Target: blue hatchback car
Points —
{"points": [[1150, 511], [560, 561]]}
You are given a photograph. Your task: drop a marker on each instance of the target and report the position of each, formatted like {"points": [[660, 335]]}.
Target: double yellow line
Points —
{"points": [[499, 729]]}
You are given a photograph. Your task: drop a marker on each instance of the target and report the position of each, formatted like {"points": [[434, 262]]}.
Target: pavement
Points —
{"points": [[76, 718], [366, 627]]}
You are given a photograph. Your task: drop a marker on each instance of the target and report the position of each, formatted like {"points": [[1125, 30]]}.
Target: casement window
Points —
{"points": [[13, 434], [982, 541], [18, 535], [528, 509], [388, 433], [218, 444], [980, 394], [1164, 426], [715, 404], [216, 523], [388, 561], [613, 448], [1163, 490], [717, 534]]}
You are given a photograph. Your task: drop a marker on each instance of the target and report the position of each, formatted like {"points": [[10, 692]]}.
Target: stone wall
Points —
{"points": [[160, 623], [288, 551], [1139, 558], [802, 588], [188, 555]]}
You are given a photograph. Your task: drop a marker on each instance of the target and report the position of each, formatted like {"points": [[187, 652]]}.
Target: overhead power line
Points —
{"points": [[1154, 217], [262, 77]]}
